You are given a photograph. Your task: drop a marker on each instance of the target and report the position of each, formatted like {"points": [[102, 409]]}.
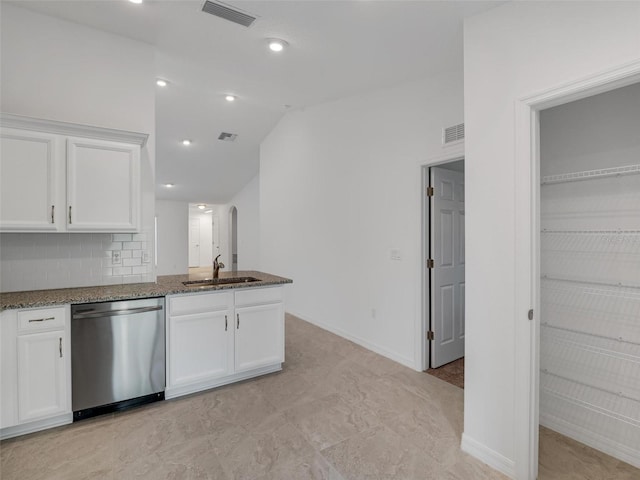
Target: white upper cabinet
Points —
{"points": [[61, 177], [103, 185], [29, 163]]}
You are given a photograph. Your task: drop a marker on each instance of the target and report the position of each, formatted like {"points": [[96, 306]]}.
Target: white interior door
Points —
{"points": [[216, 234], [206, 240], [447, 272], [194, 242]]}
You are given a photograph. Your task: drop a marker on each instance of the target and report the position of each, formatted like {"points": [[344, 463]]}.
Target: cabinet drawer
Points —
{"points": [[41, 319], [200, 302], [258, 296]]}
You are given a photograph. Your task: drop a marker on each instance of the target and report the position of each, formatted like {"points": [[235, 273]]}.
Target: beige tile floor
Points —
{"points": [[336, 412]]}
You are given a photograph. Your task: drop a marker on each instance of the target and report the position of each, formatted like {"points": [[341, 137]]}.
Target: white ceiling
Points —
{"points": [[337, 49]]}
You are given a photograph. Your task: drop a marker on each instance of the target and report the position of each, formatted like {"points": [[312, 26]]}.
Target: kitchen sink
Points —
{"points": [[211, 282]]}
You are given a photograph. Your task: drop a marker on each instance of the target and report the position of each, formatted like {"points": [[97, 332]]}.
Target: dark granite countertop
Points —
{"points": [[165, 285]]}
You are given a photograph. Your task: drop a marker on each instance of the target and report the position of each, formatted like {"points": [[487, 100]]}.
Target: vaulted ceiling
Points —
{"points": [[336, 49]]}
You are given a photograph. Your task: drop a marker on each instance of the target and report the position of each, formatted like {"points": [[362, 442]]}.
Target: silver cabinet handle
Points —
{"points": [[238, 318], [41, 319], [69, 214], [52, 210], [225, 323], [60, 347]]}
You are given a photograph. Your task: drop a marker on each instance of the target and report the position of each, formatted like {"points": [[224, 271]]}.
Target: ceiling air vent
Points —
{"points": [[453, 134], [227, 137], [228, 13]]}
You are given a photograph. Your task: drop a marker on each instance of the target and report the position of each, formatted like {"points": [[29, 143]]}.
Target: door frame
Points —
{"points": [[454, 154], [527, 249]]}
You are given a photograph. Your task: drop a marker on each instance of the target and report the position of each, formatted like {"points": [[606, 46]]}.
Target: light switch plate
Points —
{"points": [[146, 257]]}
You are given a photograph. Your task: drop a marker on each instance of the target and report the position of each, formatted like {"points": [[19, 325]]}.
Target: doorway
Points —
{"points": [[201, 236], [528, 312], [445, 271], [589, 254], [233, 237]]}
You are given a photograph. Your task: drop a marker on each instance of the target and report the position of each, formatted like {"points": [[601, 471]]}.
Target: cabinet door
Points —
{"points": [[28, 161], [8, 369], [103, 186], [199, 346], [42, 379], [259, 336]]}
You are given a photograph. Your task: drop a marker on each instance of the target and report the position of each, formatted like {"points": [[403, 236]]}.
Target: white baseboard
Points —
{"points": [[174, 392], [407, 362], [10, 432], [486, 455], [592, 439]]}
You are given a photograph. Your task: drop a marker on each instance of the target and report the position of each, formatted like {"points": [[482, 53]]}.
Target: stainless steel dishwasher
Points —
{"points": [[117, 355]]}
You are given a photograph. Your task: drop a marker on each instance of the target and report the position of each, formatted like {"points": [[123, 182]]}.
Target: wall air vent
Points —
{"points": [[453, 134], [227, 137], [223, 11]]}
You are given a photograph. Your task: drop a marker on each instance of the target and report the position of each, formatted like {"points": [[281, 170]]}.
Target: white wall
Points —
{"points": [[601, 131], [340, 186], [60, 70], [173, 229], [518, 49]]}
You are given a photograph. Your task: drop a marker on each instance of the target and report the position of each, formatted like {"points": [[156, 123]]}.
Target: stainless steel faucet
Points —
{"points": [[217, 266]]}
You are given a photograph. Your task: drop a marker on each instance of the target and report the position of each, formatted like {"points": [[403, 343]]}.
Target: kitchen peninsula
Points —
{"points": [[212, 333]]}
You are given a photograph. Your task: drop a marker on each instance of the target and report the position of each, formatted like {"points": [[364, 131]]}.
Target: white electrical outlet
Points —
{"points": [[146, 258], [116, 258]]}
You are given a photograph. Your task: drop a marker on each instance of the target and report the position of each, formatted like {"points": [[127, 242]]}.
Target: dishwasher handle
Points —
{"points": [[113, 313]]}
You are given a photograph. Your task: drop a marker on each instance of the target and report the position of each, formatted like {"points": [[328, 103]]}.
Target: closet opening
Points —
{"points": [[588, 247]]}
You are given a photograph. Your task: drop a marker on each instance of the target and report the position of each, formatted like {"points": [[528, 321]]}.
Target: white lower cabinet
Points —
{"points": [[259, 336], [42, 379], [199, 347], [217, 338], [35, 371]]}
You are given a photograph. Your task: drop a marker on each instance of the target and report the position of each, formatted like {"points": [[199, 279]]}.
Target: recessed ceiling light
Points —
{"points": [[186, 141], [168, 185], [202, 207], [230, 98], [137, 2], [276, 44], [161, 83]]}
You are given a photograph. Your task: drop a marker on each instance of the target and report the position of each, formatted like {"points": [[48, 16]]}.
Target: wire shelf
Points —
{"points": [[595, 335], [587, 282], [591, 232], [588, 385], [591, 174]]}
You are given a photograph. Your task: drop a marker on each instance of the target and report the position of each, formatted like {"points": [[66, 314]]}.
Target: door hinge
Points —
{"points": [[430, 335], [429, 191], [430, 263]]}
